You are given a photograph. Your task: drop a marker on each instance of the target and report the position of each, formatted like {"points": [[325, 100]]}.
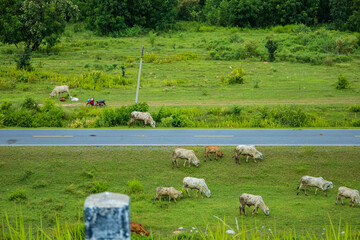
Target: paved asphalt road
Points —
{"points": [[178, 137]]}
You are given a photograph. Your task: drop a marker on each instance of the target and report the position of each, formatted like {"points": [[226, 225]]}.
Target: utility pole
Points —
{"points": [[138, 83]]}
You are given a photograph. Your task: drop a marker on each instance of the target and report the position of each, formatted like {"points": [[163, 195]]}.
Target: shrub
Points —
{"points": [[292, 116], [99, 186], [40, 184], [5, 105], [236, 77], [24, 61], [250, 48], [271, 47], [135, 186], [30, 104], [354, 108], [2, 120], [18, 195], [181, 120], [342, 82], [166, 122], [355, 123]]}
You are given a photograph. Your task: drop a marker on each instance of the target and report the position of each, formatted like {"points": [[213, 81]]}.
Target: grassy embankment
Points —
{"points": [[56, 180], [184, 69]]}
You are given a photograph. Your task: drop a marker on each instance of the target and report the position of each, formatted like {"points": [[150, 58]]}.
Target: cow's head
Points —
{"points": [[208, 193], [153, 124], [52, 94], [329, 185], [259, 155], [195, 161], [266, 211], [220, 154]]}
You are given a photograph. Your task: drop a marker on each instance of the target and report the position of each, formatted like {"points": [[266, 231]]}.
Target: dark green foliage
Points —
{"points": [[181, 120], [342, 82], [292, 116], [34, 22], [30, 104], [18, 195], [339, 12], [24, 61], [115, 17], [5, 105], [271, 47]]}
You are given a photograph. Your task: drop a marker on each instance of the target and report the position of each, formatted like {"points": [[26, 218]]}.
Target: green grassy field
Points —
{"points": [[58, 179], [177, 81], [183, 69]]}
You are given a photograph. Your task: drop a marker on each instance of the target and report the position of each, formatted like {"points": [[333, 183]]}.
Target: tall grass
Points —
{"points": [[18, 230], [221, 231]]}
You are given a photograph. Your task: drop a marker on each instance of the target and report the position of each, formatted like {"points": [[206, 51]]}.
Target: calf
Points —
{"points": [[138, 228], [167, 191], [215, 150]]}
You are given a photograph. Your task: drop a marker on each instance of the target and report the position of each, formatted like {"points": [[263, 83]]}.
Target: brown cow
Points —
{"points": [[138, 228], [214, 150]]}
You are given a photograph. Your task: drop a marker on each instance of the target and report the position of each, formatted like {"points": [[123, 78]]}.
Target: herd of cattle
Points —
{"points": [[240, 150]]}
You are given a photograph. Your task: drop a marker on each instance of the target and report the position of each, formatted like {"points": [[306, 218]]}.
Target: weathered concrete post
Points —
{"points": [[107, 216]]}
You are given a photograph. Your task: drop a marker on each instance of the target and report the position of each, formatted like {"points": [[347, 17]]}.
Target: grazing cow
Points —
{"points": [[214, 150], [141, 116], [59, 89], [353, 194], [188, 155], [252, 200], [167, 191], [317, 182], [138, 228], [248, 151], [196, 183]]}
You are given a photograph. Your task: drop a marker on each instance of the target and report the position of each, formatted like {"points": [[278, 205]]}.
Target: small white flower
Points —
{"points": [[180, 228], [190, 230], [323, 228], [262, 227], [342, 232], [192, 227], [230, 232], [196, 230]]}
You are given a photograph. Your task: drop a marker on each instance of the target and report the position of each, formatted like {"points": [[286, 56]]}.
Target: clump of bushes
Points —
{"points": [[18, 195], [342, 82], [237, 76], [99, 186], [135, 186], [354, 108]]}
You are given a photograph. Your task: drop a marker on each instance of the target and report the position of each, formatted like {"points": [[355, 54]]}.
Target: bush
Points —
{"points": [[236, 77], [271, 47], [181, 120], [292, 116], [30, 104], [135, 186], [354, 108], [99, 186], [24, 61], [18, 195], [342, 82], [2, 120], [5, 105]]}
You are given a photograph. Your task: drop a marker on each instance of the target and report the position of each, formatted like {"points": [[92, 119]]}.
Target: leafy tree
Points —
{"points": [[342, 82], [353, 22], [34, 22], [339, 12]]}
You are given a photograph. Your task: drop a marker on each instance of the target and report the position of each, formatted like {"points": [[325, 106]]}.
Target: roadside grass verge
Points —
{"points": [[62, 177]]}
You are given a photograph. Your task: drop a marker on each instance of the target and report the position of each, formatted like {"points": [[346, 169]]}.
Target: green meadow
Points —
{"points": [[50, 185]]}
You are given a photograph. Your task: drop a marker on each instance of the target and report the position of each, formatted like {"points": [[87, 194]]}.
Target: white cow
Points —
{"points": [[141, 116], [317, 182], [188, 155], [59, 89], [248, 151], [196, 183], [353, 194], [252, 200]]}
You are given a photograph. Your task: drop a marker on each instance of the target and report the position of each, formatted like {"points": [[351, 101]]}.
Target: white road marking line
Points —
{"points": [[213, 136], [45, 136]]}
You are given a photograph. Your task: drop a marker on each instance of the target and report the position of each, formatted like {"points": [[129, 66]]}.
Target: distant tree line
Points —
{"points": [[112, 16]]}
